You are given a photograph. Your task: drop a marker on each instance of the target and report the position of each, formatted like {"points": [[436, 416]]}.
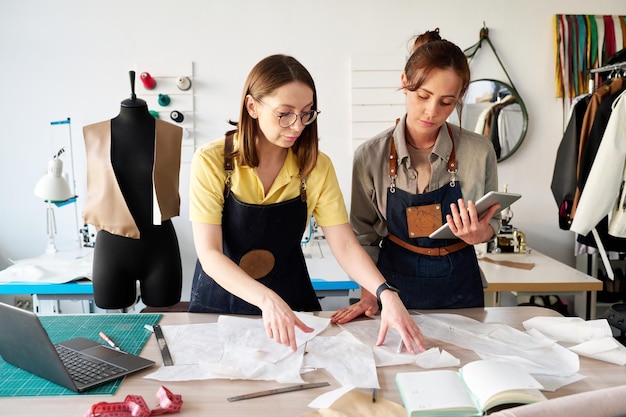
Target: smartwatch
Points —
{"points": [[383, 287]]}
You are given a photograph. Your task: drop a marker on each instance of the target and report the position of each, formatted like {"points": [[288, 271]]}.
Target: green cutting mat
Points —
{"points": [[126, 330]]}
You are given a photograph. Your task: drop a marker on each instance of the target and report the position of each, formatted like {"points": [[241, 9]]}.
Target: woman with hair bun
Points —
{"points": [[410, 179]]}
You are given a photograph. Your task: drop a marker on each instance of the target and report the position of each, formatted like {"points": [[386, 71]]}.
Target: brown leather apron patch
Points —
{"points": [[423, 220], [257, 263]]}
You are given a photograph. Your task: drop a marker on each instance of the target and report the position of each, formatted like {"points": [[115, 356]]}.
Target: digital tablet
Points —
{"points": [[482, 205]]}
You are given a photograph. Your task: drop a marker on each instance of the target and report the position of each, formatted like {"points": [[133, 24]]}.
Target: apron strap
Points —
{"points": [[303, 189], [437, 251], [229, 166], [393, 161], [229, 163], [452, 166], [393, 165]]}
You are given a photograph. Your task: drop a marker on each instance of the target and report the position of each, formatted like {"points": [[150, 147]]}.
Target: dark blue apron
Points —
{"points": [[424, 281], [273, 232]]}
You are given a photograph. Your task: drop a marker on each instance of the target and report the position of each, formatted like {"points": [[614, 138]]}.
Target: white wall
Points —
{"points": [[70, 58]]}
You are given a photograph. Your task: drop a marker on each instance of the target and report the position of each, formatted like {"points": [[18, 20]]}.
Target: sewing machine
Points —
{"points": [[509, 239]]}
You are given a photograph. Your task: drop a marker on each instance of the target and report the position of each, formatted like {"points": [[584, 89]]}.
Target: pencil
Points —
{"points": [[109, 341]]}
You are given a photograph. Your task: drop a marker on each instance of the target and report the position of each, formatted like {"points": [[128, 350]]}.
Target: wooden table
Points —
{"points": [[204, 398], [548, 276]]}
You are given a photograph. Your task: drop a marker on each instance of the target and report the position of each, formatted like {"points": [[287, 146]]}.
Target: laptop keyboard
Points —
{"points": [[84, 369]]}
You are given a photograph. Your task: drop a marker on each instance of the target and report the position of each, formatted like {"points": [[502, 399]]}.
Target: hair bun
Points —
{"points": [[426, 37]]}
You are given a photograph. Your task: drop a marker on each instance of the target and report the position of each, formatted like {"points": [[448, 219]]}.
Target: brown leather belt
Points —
{"points": [[442, 251]]}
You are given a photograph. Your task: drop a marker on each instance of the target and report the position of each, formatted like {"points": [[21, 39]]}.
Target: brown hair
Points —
{"points": [[428, 36], [436, 53], [267, 75]]}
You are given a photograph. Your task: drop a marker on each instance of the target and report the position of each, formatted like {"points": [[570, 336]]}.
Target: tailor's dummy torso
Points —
{"points": [[154, 258]]}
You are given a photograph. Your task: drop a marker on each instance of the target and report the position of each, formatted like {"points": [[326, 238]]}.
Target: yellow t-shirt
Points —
{"points": [[206, 188]]}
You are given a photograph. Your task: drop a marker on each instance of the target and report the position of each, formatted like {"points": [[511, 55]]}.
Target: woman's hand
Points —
{"points": [[466, 225], [367, 305], [280, 322], [356, 263], [395, 315]]}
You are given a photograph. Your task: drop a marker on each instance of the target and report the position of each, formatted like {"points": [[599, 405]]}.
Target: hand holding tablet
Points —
{"points": [[482, 205]]}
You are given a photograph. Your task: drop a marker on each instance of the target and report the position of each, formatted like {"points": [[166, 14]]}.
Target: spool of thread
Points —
{"points": [[177, 116], [148, 82], [155, 114], [164, 99], [183, 83]]}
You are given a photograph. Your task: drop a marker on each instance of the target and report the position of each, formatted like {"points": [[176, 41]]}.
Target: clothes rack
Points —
{"points": [[608, 68]]}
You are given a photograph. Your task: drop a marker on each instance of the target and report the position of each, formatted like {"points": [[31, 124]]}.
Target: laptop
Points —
{"points": [[25, 343]]}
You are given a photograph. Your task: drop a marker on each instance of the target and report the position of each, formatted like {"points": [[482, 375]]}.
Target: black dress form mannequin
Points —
{"points": [[154, 258]]}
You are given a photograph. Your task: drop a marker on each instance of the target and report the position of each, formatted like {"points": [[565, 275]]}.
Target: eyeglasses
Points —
{"points": [[288, 119]]}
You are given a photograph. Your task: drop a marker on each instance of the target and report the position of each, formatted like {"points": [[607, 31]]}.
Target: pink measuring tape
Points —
{"points": [[135, 406]]}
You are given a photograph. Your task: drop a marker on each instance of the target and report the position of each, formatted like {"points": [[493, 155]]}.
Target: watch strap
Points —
{"points": [[382, 287]]}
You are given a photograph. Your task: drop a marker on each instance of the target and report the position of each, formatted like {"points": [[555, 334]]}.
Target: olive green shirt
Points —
{"points": [[477, 175]]}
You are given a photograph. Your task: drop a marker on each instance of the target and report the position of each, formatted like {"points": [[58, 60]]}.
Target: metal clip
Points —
{"points": [[453, 177], [303, 189], [228, 183]]}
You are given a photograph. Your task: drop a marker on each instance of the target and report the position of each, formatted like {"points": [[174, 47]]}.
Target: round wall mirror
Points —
{"points": [[494, 109]]}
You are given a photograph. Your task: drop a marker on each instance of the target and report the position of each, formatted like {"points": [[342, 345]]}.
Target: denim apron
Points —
{"points": [[452, 280], [265, 241]]}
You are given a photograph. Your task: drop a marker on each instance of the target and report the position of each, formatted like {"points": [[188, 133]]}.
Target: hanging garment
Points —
{"points": [[604, 190], [597, 130], [588, 160], [563, 184], [609, 43], [510, 127], [586, 153], [617, 28], [505, 125]]}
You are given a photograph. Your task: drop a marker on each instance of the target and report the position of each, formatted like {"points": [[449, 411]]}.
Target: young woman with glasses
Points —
{"points": [[417, 175], [252, 194]]}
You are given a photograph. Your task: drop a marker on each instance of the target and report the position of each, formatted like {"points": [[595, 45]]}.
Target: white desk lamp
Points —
{"points": [[53, 188]]}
